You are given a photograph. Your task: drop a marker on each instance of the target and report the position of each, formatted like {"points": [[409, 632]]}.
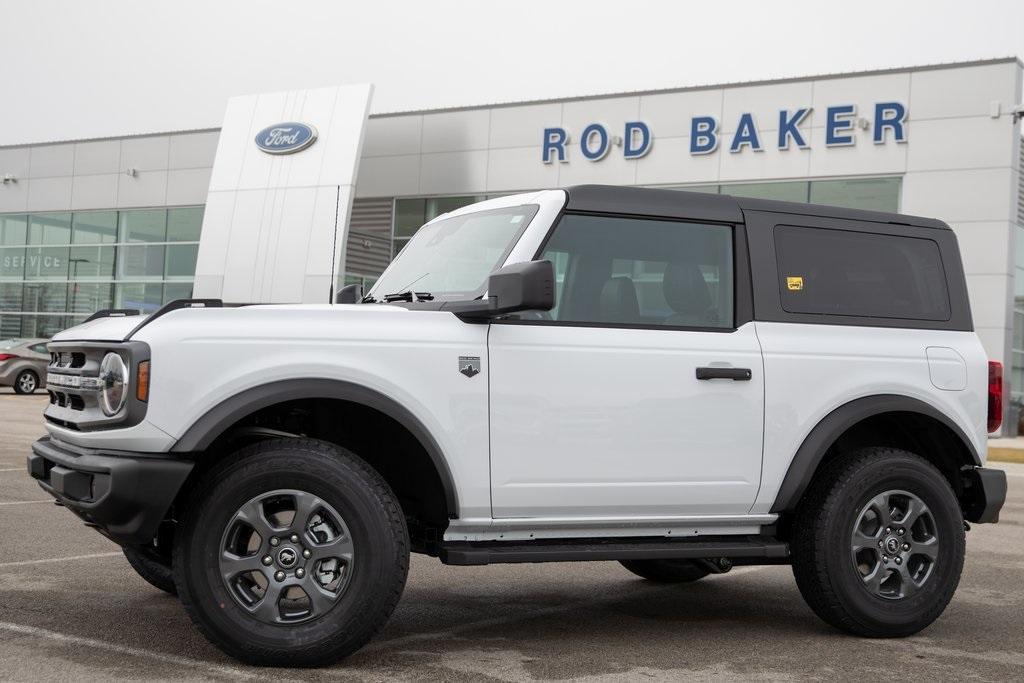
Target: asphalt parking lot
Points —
{"points": [[72, 608]]}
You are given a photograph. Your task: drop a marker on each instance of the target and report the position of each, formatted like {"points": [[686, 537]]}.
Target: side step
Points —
{"points": [[747, 549]]}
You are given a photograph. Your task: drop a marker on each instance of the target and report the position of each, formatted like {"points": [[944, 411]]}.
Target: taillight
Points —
{"points": [[995, 395], [6, 356]]}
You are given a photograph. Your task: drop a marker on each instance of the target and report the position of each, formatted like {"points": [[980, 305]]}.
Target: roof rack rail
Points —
{"points": [[112, 313], [174, 306]]}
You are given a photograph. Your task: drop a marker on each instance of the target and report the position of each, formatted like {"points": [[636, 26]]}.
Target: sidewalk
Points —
{"points": [[1006, 450]]}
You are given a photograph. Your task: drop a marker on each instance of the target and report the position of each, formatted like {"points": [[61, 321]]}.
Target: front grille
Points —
{"points": [[67, 359], [73, 384]]}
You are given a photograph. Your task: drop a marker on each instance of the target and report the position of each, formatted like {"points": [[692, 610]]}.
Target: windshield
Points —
{"points": [[452, 257]]}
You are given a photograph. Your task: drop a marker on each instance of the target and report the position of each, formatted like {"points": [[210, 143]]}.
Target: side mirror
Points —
{"points": [[349, 294], [526, 286]]}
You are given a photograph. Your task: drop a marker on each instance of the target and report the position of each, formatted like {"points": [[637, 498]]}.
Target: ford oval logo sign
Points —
{"points": [[286, 138]]}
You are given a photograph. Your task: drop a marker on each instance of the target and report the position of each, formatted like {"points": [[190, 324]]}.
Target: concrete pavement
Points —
{"points": [[72, 608]]}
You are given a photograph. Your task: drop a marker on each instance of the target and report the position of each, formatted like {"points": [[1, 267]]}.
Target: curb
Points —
{"points": [[1006, 454]]}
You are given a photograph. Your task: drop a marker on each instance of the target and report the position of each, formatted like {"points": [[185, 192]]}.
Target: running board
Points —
{"points": [[745, 548]]}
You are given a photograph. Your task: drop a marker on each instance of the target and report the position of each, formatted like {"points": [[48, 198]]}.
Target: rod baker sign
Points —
{"points": [[841, 123]]}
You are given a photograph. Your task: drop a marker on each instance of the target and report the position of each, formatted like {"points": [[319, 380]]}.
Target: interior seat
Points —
{"points": [[686, 292], [619, 303]]}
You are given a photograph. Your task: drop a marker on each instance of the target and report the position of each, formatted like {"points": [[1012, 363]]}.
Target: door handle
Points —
{"points": [[735, 374]]}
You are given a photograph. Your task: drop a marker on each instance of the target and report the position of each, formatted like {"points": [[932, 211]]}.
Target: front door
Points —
{"points": [[597, 408]]}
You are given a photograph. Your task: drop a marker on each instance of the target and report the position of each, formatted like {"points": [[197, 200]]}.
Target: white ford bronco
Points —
{"points": [[681, 382]]}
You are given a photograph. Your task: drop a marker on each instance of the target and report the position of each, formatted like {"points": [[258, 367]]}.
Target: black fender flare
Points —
{"points": [[218, 419], [805, 463]]}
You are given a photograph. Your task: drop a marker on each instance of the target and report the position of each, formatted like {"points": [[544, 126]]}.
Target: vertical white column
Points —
{"points": [[275, 224]]}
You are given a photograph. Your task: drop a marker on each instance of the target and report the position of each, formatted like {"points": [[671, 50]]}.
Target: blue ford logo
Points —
{"points": [[285, 138]]}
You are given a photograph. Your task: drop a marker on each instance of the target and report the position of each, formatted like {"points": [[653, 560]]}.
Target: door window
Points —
{"points": [[634, 272]]}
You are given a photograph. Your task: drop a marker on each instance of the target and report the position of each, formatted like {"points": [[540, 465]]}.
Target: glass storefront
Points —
{"points": [[875, 194], [412, 213], [58, 268], [1016, 375]]}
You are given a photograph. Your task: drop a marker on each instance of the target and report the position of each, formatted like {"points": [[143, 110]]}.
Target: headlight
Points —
{"points": [[113, 383]]}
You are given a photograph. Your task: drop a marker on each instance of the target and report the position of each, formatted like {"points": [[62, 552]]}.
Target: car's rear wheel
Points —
{"points": [[26, 382], [148, 564], [293, 552], [878, 543], [667, 571]]}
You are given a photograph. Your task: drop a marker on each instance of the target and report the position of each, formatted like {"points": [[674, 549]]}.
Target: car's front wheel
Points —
{"points": [[292, 552], [26, 382], [878, 543]]}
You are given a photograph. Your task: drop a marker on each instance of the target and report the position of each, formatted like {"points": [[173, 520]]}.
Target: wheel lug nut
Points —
{"points": [[268, 560], [279, 575], [906, 546], [888, 530], [899, 561], [274, 541], [294, 538], [881, 545], [885, 559], [300, 572], [307, 553], [901, 531]]}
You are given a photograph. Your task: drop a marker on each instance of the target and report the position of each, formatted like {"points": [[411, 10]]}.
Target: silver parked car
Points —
{"points": [[23, 364]]}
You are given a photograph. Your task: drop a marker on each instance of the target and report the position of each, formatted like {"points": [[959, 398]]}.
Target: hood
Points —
{"points": [[119, 327], [101, 329]]}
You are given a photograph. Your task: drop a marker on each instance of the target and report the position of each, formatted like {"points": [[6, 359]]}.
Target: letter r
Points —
{"points": [[554, 141]]}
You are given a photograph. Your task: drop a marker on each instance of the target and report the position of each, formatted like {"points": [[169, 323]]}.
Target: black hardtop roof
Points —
{"points": [[723, 208]]}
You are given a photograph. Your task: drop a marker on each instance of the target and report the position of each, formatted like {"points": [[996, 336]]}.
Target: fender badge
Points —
{"points": [[469, 365]]}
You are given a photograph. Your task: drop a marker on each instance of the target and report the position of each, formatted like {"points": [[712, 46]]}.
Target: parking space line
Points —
{"points": [[176, 660], [12, 469], [48, 560], [27, 502]]}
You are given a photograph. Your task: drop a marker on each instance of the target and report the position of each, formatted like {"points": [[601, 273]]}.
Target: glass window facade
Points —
{"points": [[1016, 375], [56, 269], [875, 194], [412, 213]]}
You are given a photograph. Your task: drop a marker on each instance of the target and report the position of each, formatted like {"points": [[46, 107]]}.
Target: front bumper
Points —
{"points": [[124, 495], [984, 494]]}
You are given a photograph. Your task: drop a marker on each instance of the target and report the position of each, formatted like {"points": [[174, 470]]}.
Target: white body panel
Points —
{"points": [[810, 370], [607, 422], [202, 357]]}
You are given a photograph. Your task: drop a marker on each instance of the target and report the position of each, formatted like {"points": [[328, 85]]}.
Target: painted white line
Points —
{"points": [[13, 469], [176, 660], [532, 614], [71, 558], [28, 502]]}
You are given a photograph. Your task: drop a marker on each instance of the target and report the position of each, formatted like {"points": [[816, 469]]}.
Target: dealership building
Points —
{"points": [[123, 222]]}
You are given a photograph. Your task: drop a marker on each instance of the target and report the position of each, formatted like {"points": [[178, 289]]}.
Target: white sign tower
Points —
{"points": [[280, 194]]}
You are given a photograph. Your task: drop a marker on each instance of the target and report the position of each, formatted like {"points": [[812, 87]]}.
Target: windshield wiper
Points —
{"points": [[368, 299], [409, 296]]}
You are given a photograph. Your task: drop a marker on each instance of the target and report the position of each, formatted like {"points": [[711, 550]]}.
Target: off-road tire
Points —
{"points": [[823, 556], [151, 567], [380, 558], [18, 381], [667, 571]]}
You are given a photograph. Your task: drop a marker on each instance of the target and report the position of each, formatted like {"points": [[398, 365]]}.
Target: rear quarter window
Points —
{"points": [[852, 273]]}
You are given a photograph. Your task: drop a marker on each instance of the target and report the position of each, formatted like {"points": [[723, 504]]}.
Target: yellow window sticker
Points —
{"points": [[794, 284]]}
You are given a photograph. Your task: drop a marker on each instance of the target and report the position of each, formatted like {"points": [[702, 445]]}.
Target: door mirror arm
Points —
{"points": [[528, 286]]}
